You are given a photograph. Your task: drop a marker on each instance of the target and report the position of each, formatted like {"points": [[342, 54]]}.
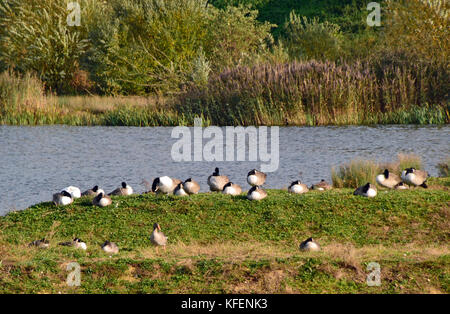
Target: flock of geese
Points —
{"points": [[221, 183]]}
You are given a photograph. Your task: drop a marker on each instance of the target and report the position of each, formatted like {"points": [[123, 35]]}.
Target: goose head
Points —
{"points": [[155, 185]]}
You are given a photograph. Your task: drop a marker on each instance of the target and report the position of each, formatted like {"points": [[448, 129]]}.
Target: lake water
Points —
{"points": [[36, 162]]}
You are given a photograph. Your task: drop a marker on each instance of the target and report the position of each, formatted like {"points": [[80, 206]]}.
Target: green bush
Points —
{"points": [[310, 39], [148, 46], [35, 37], [419, 27]]}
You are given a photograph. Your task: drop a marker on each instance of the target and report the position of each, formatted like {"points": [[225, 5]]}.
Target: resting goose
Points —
{"points": [[232, 189], [102, 200], [180, 191], [191, 186], [93, 192], [165, 185], [63, 198], [388, 179], [297, 187], [321, 186], [416, 177], [76, 243], [255, 177], [42, 244], [74, 191], [110, 247], [401, 186], [216, 181], [309, 245], [256, 193], [367, 190], [125, 189]]}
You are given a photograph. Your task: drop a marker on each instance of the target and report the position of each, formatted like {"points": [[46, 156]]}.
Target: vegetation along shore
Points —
{"points": [[231, 62]]}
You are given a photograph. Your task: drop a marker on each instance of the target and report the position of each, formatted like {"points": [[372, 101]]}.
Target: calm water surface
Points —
{"points": [[36, 162]]}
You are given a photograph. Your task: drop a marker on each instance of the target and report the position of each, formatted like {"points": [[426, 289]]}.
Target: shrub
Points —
{"points": [[147, 46], [419, 27], [235, 38], [35, 37], [310, 39]]}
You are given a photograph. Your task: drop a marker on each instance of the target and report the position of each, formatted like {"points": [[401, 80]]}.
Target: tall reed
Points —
{"points": [[355, 173], [319, 93]]}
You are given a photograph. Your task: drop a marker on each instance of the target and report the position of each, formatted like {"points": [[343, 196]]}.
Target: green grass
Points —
{"points": [[222, 244]]}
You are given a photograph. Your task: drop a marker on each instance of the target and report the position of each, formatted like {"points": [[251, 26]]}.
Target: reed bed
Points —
{"points": [[322, 93], [308, 93], [360, 171]]}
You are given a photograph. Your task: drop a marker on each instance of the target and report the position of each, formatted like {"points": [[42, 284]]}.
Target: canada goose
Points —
{"points": [[77, 243], [401, 186], [110, 247], [321, 186], [93, 192], [102, 200], [125, 189], [388, 179], [297, 187], [191, 186], [309, 245], [232, 189], [42, 244], [179, 190], [256, 193], [157, 237], [416, 177], [216, 182], [63, 198], [256, 177], [165, 185], [367, 190], [74, 191]]}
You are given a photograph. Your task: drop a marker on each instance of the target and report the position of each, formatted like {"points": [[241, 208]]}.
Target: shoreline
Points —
{"points": [[152, 112]]}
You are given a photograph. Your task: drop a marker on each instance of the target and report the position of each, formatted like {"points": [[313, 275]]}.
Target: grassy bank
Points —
{"points": [[228, 244]]}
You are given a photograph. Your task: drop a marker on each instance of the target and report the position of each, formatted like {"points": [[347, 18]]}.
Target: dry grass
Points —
{"points": [[226, 250], [403, 161], [102, 104]]}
